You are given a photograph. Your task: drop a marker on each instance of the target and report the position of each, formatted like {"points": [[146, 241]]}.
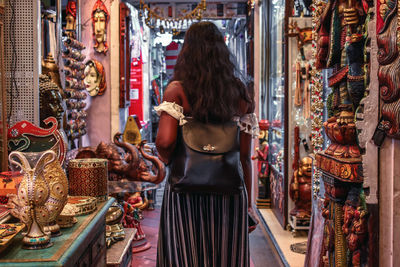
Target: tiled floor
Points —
{"points": [[260, 248], [285, 239]]}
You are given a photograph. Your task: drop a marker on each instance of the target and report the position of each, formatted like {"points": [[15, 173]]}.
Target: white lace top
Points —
{"points": [[248, 123]]}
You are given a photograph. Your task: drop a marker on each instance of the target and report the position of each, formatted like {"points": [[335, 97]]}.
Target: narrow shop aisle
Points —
{"points": [[261, 251]]}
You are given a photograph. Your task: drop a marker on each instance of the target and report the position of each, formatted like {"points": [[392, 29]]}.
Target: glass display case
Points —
{"points": [[276, 100], [276, 106]]}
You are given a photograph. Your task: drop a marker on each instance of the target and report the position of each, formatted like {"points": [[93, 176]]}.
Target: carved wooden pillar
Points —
{"points": [[388, 40], [341, 48]]}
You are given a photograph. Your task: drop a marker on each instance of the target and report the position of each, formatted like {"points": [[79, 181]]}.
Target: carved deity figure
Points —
{"points": [[355, 227], [50, 100], [300, 189], [100, 18], [95, 78], [340, 47]]}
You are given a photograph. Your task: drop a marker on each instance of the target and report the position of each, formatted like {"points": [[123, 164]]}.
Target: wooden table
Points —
{"points": [[84, 244], [120, 254]]}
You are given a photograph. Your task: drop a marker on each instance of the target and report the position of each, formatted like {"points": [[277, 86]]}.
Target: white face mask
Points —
{"points": [[92, 80]]}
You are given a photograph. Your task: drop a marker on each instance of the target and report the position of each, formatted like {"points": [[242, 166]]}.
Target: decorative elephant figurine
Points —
{"points": [[132, 166]]}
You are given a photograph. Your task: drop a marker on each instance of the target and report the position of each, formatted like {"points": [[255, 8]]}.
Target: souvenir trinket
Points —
{"points": [[84, 205]]}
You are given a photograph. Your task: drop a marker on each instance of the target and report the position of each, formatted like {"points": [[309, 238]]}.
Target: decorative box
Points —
{"points": [[88, 177], [67, 219], [83, 205]]}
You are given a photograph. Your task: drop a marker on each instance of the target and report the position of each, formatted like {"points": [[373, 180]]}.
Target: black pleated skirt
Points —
{"points": [[199, 230]]}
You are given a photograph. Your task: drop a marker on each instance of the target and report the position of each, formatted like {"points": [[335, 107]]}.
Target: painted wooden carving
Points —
{"points": [[389, 68], [27, 137], [100, 19], [300, 189], [341, 47]]}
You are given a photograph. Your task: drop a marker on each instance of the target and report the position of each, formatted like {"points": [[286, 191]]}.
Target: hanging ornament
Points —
{"points": [[317, 104], [175, 24]]}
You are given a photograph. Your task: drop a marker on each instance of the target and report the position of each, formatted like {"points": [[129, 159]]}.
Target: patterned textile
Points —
{"points": [[203, 230]]}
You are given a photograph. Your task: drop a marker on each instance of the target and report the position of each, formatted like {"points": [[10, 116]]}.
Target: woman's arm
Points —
{"points": [[245, 159], [168, 126]]}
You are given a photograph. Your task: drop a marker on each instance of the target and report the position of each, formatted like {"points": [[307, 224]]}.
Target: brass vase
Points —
{"points": [[41, 195]]}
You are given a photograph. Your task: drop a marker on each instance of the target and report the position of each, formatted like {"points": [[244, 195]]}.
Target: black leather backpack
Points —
{"points": [[206, 159]]}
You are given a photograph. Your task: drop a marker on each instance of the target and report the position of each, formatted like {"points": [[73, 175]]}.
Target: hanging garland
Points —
{"points": [[317, 105], [153, 20]]}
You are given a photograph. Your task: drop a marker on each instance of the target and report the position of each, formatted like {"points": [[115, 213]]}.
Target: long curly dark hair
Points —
{"points": [[208, 75]]}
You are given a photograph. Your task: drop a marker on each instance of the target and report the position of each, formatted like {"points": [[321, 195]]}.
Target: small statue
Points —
{"points": [[100, 18], [137, 201], [300, 189], [132, 217], [261, 156]]}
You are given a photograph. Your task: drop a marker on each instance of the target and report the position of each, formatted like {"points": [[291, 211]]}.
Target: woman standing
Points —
{"points": [[204, 217]]}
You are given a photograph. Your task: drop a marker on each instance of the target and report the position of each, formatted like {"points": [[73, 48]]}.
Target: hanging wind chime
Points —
{"points": [[175, 25]]}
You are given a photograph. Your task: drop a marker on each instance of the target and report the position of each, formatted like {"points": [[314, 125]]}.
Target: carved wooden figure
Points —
{"points": [[340, 47], [300, 189], [389, 69]]}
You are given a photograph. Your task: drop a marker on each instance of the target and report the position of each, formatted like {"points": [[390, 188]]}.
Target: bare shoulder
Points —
{"points": [[173, 93]]}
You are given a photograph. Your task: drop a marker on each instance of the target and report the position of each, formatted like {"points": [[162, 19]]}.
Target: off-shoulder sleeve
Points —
{"points": [[248, 123], [173, 109]]}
